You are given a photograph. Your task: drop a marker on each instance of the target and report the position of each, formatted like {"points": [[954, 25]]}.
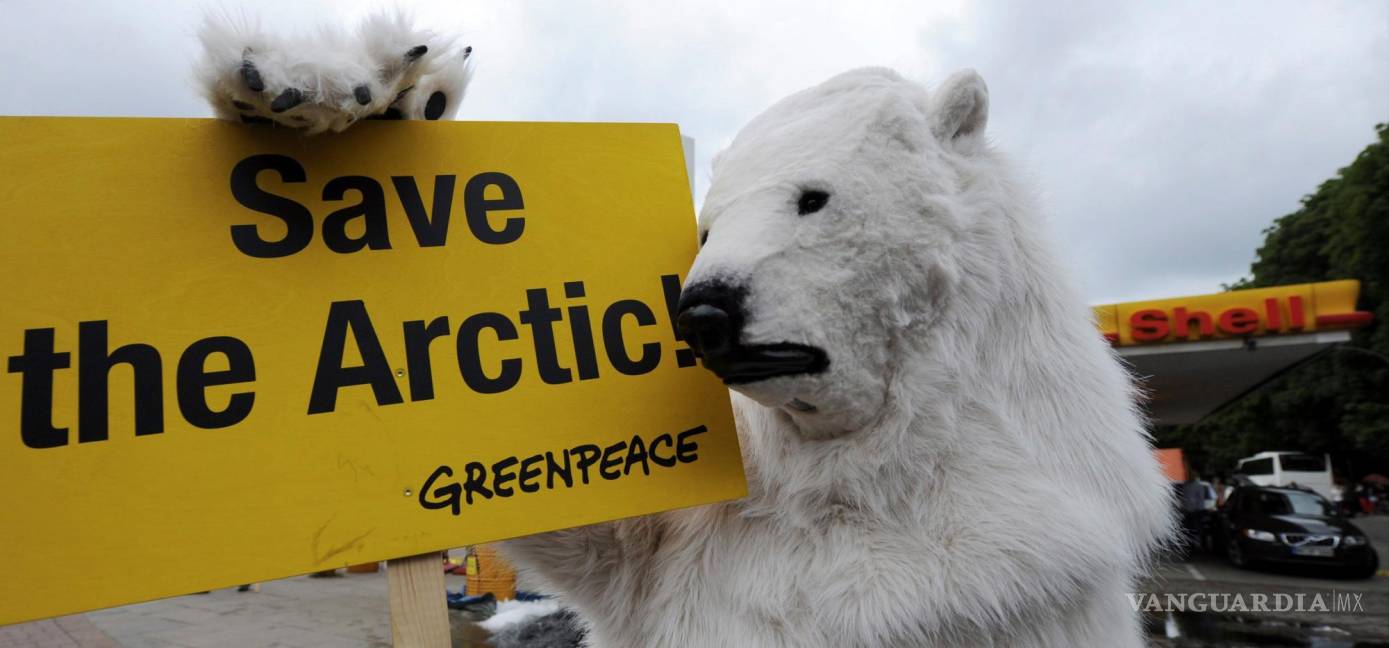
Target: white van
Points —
{"points": [[1289, 468]]}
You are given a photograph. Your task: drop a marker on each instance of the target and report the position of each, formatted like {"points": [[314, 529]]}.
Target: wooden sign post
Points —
{"points": [[296, 354], [419, 615]]}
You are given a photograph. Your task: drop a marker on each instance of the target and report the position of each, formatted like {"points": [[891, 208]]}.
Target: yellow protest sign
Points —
{"points": [[234, 354]]}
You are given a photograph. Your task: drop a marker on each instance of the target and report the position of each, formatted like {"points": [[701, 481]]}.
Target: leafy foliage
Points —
{"points": [[1337, 403]]}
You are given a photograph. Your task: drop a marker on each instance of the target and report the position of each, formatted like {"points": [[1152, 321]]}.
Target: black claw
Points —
{"points": [[390, 114], [251, 76], [241, 105], [253, 119], [363, 94], [401, 95], [415, 53], [434, 108], [290, 98]]}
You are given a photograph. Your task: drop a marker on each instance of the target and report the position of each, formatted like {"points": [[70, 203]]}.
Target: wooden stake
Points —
{"points": [[419, 612]]}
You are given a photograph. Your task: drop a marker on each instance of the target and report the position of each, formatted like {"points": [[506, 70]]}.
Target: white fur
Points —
{"points": [[974, 474], [514, 613], [328, 65]]}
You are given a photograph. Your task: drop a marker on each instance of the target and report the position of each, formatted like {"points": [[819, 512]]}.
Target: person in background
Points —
{"points": [[1350, 498]]}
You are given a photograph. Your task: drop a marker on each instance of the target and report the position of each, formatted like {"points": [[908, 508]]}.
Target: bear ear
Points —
{"points": [[960, 110]]}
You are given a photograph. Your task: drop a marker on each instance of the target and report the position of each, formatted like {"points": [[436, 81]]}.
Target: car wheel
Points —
{"points": [[1367, 569], [1235, 554]]}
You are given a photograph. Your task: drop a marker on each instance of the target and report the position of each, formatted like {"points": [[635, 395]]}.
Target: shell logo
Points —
{"points": [[1280, 310]]}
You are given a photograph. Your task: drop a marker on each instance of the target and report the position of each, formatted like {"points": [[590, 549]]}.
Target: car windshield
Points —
{"points": [[1290, 503]]}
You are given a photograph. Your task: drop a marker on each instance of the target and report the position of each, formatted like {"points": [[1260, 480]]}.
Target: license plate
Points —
{"points": [[1318, 552]]}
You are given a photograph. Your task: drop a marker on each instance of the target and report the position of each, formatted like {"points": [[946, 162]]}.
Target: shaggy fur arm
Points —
{"points": [[585, 563], [331, 79]]}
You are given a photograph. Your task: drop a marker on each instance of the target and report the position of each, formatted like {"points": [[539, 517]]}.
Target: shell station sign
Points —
{"points": [[1281, 310]]}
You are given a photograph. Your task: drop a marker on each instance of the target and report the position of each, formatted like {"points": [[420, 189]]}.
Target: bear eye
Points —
{"points": [[811, 201]]}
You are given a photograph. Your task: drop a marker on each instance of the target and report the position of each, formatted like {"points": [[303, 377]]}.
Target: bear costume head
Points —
{"points": [[839, 227], [872, 276]]}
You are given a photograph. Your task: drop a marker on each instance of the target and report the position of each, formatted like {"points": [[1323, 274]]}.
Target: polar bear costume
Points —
{"points": [[941, 450]]}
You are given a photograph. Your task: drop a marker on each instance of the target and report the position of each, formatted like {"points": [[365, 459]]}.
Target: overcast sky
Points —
{"points": [[1163, 136]]}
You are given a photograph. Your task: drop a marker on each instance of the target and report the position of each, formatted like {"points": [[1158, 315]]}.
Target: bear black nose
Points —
{"points": [[710, 317], [708, 329]]}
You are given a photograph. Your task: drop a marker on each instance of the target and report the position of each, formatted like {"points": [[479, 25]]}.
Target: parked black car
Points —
{"points": [[1266, 524]]}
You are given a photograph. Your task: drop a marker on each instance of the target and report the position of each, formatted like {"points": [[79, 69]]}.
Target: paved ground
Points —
{"points": [[347, 612], [352, 612], [67, 632]]}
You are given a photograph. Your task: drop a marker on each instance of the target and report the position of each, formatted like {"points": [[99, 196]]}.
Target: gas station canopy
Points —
{"points": [[1193, 355]]}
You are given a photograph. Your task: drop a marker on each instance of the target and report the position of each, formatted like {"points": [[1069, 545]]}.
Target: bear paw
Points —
{"points": [[331, 80]]}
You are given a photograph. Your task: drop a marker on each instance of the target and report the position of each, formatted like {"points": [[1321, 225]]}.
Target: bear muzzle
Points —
{"points": [[710, 318]]}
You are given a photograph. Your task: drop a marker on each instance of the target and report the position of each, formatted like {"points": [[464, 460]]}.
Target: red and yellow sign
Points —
{"points": [[1300, 308]]}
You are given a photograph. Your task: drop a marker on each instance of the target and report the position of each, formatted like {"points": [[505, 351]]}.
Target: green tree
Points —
{"points": [[1337, 403]]}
